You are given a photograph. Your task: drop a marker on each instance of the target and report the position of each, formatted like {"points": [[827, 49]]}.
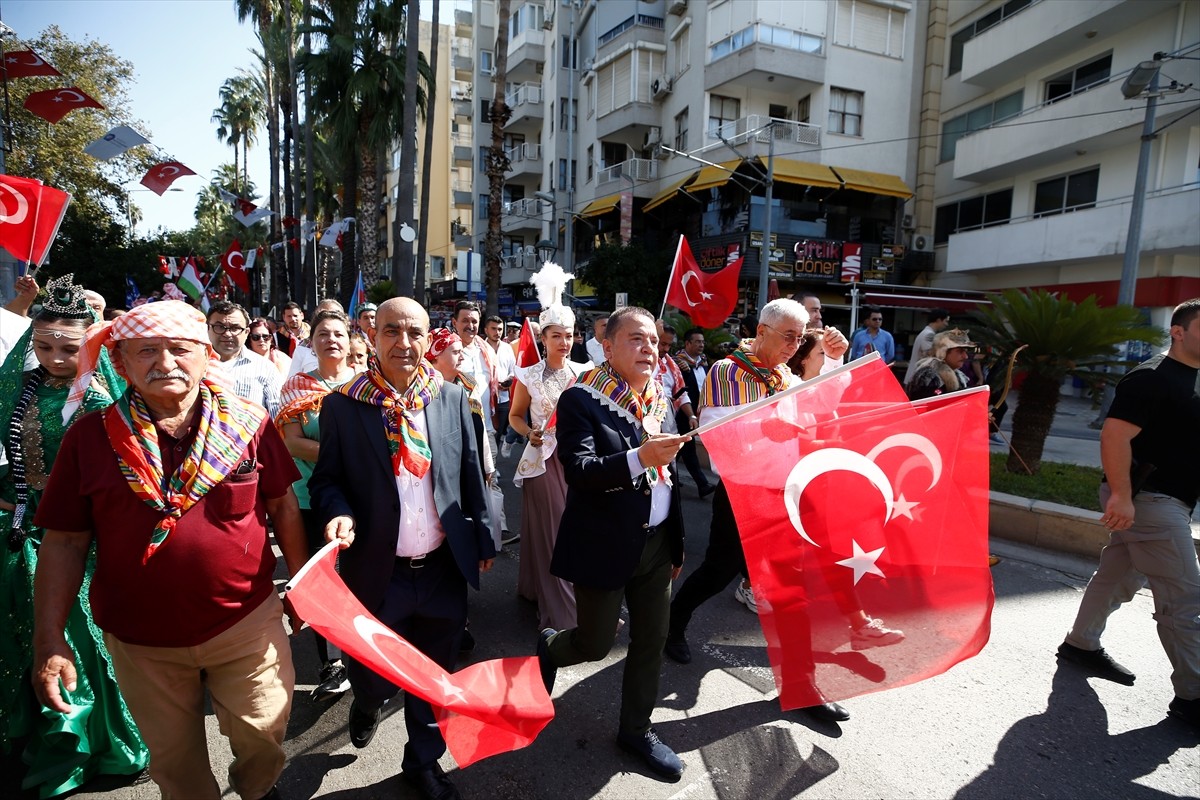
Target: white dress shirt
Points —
{"points": [[660, 492]]}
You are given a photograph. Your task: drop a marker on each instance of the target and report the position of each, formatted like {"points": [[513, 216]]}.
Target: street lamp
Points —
{"points": [[1142, 80], [546, 250]]}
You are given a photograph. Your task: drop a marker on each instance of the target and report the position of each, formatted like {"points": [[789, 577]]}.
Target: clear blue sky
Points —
{"points": [[182, 51]]}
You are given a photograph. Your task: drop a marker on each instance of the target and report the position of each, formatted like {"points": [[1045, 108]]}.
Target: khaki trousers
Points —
{"points": [[249, 675]]}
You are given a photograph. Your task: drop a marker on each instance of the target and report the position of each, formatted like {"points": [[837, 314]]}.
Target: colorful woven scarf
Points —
{"points": [[775, 380], [300, 394], [611, 389], [226, 426], [408, 446]]}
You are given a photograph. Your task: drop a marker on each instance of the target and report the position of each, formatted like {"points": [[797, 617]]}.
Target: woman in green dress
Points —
{"points": [[62, 751]]}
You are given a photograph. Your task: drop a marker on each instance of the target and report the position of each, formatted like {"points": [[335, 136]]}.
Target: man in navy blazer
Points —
{"points": [[621, 534], [412, 520]]}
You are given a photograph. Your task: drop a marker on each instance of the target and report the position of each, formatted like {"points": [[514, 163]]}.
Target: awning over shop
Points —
{"points": [[601, 205], [669, 192], [951, 304], [713, 176], [872, 182], [805, 173]]}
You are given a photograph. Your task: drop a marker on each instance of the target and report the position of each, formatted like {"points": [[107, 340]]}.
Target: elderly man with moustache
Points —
{"points": [[756, 369], [621, 533], [183, 585], [398, 479]]}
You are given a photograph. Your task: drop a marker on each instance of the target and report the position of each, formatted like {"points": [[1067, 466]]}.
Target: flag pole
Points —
{"points": [[674, 266]]}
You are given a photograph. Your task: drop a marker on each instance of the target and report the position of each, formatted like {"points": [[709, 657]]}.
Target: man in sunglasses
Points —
{"points": [[254, 378]]}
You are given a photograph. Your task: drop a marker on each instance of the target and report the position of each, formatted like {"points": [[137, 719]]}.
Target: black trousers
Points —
{"points": [[428, 607], [723, 561], [691, 460]]}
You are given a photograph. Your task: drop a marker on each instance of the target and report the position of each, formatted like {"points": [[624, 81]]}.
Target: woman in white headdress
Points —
{"points": [[539, 473]]}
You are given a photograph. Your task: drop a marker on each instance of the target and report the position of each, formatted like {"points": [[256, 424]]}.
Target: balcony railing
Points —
{"points": [[525, 93], [753, 128], [643, 20], [526, 207], [528, 151], [637, 169]]}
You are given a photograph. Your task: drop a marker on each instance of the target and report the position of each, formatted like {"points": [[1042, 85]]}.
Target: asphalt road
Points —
{"points": [[1009, 723]]}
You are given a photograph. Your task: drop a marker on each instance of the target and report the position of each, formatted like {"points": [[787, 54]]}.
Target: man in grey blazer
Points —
{"points": [[399, 482]]}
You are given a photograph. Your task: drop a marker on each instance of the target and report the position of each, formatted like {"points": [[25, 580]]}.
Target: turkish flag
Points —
{"points": [[708, 298], [234, 262], [527, 350], [26, 64], [30, 213], [54, 104], [488, 708], [853, 503], [161, 176]]}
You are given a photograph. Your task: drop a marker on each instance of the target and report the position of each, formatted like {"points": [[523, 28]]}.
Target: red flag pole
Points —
{"points": [[674, 267]]}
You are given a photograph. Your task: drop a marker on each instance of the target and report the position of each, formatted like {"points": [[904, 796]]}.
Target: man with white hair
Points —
{"points": [[95, 302], [756, 369], [183, 585]]}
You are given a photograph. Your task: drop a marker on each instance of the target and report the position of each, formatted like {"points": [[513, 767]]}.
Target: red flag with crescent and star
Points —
{"points": [[27, 64], [54, 104], [853, 506], [488, 708], [161, 176], [708, 298], [234, 264], [30, 214]]}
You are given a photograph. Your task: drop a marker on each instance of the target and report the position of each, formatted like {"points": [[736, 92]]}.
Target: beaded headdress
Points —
{"points": [[66, 299]]}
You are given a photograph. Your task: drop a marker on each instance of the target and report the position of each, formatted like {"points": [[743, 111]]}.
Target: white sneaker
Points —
{"points": [[506, 449], [874, 634], [745, 595]]}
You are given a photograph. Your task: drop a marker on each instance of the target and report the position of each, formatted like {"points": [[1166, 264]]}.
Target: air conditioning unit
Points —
{"points": [[653, 137], [676, 6], [923, 243], [588, 64], [907, 223], [660, 87], [659, 152], [530, 250]]}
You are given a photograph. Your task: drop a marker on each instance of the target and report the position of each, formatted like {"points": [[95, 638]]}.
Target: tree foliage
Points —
{"points": [[627, 268]]}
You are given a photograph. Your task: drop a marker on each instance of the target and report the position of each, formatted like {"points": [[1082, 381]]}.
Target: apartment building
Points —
{"points": [[1029, 179]]}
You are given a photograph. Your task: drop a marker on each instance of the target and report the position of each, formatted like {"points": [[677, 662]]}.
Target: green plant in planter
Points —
{"points": [[1062, 339]]}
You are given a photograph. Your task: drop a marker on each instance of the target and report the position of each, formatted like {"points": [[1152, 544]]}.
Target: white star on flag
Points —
{"points": [[862, 562], [448, 688], [903, 508]]}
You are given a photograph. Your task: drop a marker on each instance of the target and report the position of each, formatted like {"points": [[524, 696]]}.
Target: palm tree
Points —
{"points": [[497, 160], [1062, 339], [238, 116], [426, 163]]}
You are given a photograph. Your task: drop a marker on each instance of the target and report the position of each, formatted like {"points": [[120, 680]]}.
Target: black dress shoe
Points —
{"points": [[544, 661], [363, 725], [1097, 662], [1186, 710], [660, 758], [466, 645], [677, 649], [272, 795], [431, 783], [828, 712]]}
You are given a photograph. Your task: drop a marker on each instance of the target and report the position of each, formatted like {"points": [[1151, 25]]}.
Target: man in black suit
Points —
{"points": [[694, 367], [398, 478], [621, 534]]}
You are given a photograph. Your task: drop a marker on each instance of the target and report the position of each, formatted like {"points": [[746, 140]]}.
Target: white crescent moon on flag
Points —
{"points": [[683, 283], [66, 95], [37, 60], [168, 170], [237, 260], [18, 216], [831, 459], [369, 629], [916, 442]]}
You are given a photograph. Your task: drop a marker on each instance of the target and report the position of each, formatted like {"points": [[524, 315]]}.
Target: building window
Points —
{"points": [[487, 62], [803, 109], [972, 214], [772, 35], [722, 111], [483, 157], [978, 119], [485, 111], [591, 162], [562, 174], [681, 130], [1078, 80], [681, 48], [528, 17], [563, 106], [959, 40], [870, 27], [613, 153], [437, 268], [483, 206], [845, 112], [570, 53], [552, 117], [1073, 192]]}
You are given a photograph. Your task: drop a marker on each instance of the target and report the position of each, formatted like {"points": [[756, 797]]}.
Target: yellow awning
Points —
{"points": [[874, 182], [669, 192], [601, 205], [711, 177], [805, 173]]}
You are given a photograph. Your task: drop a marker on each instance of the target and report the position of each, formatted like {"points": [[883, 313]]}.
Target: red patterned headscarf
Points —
{"points": [[439, 340]]}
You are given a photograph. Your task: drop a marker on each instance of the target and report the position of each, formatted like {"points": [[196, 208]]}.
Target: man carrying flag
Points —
{"points": [[398, 479], [757, 369]]}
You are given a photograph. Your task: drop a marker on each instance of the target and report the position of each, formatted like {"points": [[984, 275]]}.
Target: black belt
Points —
{"points": [[417, 562], [650, 530]]}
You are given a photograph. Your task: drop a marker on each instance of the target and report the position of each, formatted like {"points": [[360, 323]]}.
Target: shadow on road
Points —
{"points": [[1067, 751]]}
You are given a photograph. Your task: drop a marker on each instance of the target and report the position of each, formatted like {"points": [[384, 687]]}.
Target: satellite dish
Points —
{"points": [[407, 233]]}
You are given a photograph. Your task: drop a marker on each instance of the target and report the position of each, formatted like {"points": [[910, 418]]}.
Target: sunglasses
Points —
{"points": [[260, 337]]}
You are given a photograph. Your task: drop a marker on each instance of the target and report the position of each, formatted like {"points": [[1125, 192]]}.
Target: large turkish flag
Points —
{"points": [[54, 104], [853, 503], [708, 298], [487, 708], [30, 215]]}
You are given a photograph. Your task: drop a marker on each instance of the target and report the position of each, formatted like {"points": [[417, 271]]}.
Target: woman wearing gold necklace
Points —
{"points": [[62, 751], [539, 473], [298, 421]]}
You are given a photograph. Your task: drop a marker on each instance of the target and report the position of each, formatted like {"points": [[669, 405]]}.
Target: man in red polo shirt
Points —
{"points": [[183, 582]]}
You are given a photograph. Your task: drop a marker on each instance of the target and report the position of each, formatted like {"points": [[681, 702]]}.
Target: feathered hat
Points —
{"points": [[550, 283]]}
